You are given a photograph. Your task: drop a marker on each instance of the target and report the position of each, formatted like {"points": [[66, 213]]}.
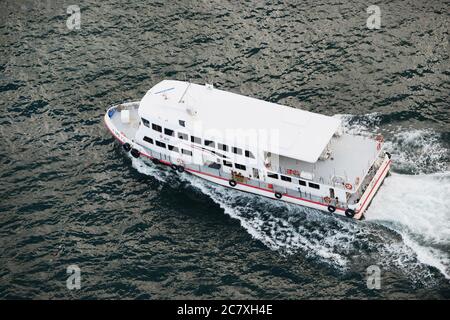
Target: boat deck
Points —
{"points": [[128, 129], [351, 157]]}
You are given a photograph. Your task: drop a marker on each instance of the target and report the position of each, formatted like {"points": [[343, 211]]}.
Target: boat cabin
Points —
{"points": [[253, 139]]}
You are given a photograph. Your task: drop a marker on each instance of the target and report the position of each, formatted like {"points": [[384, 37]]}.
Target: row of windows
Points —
{"points": [[288, 179], [208, 143], [230, 164], [236, 165], [189, 153], [170, 147]]}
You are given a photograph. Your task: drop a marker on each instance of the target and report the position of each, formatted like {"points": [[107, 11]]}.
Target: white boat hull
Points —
{"points": [[359, 209]]}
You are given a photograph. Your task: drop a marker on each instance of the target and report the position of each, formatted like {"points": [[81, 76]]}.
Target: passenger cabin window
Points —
{"points": [[149, 140], [313, 185], [182, 136], [237, 150], [156, 127], [160, 144], [196, 140], [172, 148], [248, 154], [169, 132], [302, 183], [272, 175], [210, 143], [222, 147], [186, 152], [145, 122], [182, 123], [284, 178], [239, 166], [227, 163]]}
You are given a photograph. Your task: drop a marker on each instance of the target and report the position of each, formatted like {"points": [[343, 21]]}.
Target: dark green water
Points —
{"points": [[69, 195]]}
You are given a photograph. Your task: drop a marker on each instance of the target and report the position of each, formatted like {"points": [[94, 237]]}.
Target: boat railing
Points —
{"points": [[248, 181], [315, 178]]}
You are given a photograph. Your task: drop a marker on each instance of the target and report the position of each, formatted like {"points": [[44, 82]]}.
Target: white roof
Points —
{"points": [[300, 134]]}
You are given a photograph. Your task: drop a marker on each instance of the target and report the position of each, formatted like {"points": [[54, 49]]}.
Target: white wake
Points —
{"points": [[417, 207], [414, 207]]}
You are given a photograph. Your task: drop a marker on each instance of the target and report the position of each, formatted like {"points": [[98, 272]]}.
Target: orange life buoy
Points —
{"points": [[348, 186]]}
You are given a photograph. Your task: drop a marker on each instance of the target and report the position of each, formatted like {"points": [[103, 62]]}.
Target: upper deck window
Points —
{"points": [[182, 123], [172, 148], [145, 122], [223, 147], [302, 183], [169, 132], [196, 140], [284, 178], [248, 154], [239, 166], [156, 127], [183, 136], [210, 143], [237, 150]]}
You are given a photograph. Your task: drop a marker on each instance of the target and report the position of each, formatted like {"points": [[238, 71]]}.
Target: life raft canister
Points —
{"points": [[348, 186]]}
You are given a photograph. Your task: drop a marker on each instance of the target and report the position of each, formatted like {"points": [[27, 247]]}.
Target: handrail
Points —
{"points": [[249, 181]]}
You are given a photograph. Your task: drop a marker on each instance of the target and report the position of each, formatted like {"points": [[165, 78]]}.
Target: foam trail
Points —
{"points": [[417, 207], [412, 206], [278, 225]]}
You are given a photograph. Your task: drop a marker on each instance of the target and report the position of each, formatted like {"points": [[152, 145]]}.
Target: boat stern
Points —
{"points": [[372, 187]]}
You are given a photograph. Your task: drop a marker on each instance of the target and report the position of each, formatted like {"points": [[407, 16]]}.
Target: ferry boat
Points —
{"points": [[252, 145]]}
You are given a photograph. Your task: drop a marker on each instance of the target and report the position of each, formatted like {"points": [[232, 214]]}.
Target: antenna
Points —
{"points": [[208, 83], [182, 96]]}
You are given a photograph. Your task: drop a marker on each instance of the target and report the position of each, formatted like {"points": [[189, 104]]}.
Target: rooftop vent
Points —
{"points": [[191, 111]]}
